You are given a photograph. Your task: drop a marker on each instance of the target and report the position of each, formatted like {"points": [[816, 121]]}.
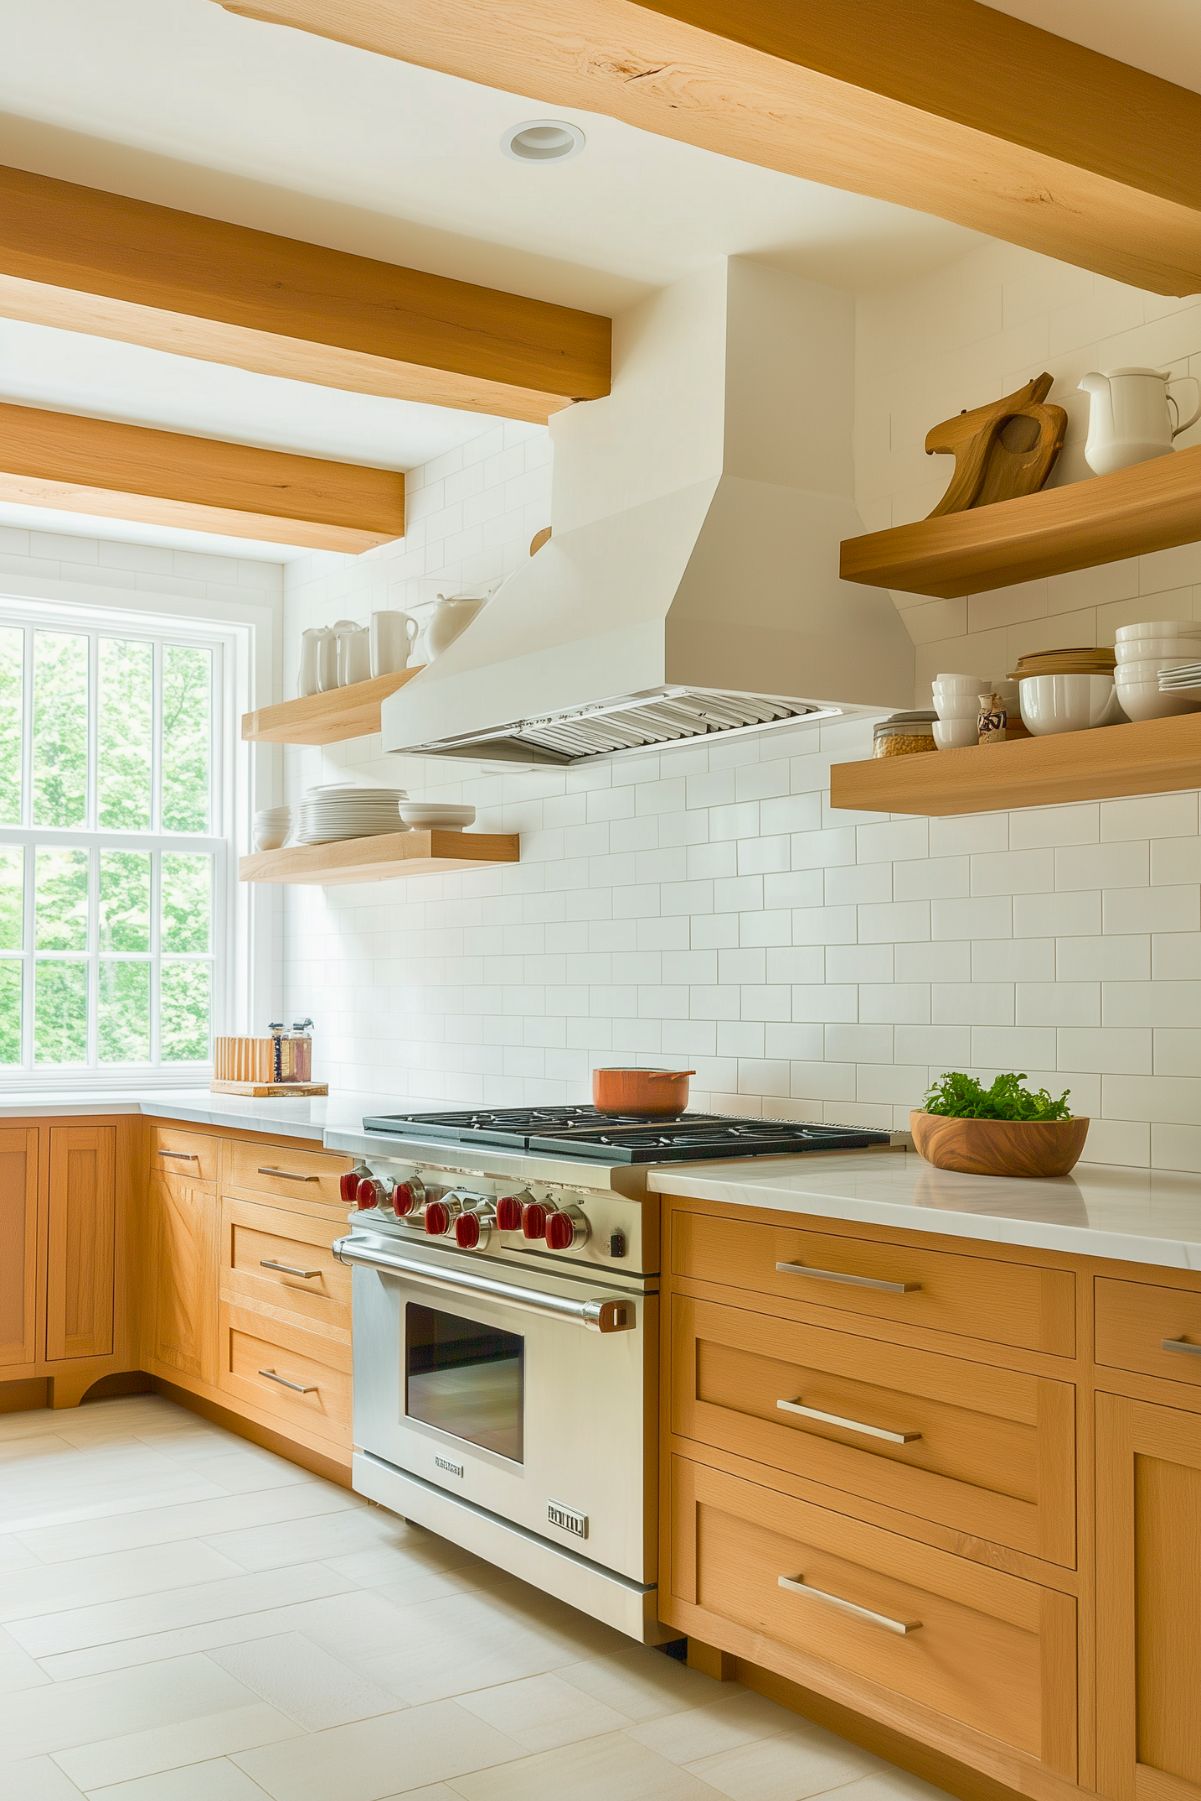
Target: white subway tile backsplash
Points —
{"points": [[1012, 872], [990, 917], [1056, 915], [1176, 1147], [1058, 1004], [1152, 910], [1149, 816], [1176, 1051], [1151, 1003], [972, 1003], [1124, 865]]}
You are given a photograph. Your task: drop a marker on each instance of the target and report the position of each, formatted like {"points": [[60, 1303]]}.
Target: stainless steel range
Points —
{"points": [[505, 1304]]}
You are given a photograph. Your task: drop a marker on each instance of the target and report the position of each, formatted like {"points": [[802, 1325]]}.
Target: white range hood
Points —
{"points": [[691, 585]]}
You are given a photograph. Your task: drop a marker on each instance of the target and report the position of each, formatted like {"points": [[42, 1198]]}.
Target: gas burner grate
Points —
{"points": [[625, 1138]]}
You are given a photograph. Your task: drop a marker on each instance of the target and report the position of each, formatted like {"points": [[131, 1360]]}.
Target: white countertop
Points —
{"points": [[299, 1118], [1136, 1216]]}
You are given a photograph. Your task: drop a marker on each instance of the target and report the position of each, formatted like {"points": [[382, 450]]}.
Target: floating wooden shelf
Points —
{"points": [[351, 712], [380, 859], [1152, 506], [1158, 756]]}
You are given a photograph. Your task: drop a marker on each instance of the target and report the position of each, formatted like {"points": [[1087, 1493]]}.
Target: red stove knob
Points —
{"points": [[437, 1219], [406, 1196], [509, 1213], [565, 1229], [366, 1193], [467, 1231], [348, 1184], [533, 1220]]}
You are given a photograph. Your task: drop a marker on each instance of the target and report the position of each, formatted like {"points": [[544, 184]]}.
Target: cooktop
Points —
{"points": [[626, 1137]]}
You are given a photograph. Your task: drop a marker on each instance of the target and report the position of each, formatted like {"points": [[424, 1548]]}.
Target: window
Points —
{"points": [[113, 856]]}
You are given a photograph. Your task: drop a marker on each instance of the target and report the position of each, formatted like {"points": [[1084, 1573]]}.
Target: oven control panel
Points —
{"points": [[499, 1217]]}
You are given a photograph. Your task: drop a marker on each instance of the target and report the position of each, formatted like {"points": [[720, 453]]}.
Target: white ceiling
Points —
{"points": [[180, 102], [1161, 36]]}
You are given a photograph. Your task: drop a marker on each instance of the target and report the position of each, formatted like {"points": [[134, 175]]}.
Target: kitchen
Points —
{"points": [[595, 1454]]}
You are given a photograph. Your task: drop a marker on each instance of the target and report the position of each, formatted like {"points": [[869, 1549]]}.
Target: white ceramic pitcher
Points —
{"points": [[1133, 414]]}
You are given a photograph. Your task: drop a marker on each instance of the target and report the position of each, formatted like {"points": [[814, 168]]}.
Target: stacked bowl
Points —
{"points": [[1068, 690], [338, 811], [1143, 651], [271, 827], [957, 703]]}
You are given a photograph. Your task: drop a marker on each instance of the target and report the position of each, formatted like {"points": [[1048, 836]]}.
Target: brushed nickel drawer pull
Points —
{"points": [[298, 1388], [798, 1586], [837, 1275], [289, 1269], [289, 1175], [1182, 1344], [183, 1156], [836, 1419]]}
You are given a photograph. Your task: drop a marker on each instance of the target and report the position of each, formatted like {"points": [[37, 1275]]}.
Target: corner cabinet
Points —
{"points": [[1148, 1601], [19, 1261]]}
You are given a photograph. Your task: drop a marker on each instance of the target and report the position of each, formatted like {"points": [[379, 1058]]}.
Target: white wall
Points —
{"points": [[707, 905]]}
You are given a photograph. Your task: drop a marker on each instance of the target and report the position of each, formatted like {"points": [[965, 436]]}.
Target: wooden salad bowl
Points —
{"points": [[999, 1147]]}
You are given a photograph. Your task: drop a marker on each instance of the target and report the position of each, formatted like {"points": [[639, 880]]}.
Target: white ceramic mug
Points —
{"points": [[312, 651], [392, 636], [324, 655], [354, 654]]}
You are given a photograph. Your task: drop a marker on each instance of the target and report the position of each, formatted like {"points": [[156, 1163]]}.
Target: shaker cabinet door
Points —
{"points": [[182, 1288], [1148, 1601], [82, 1241], [19, 1239]]}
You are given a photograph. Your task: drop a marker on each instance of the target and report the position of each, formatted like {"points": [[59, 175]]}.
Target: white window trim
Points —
{"points": [[234, 973]]}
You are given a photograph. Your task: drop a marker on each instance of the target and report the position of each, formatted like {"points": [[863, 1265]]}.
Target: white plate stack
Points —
{"points": [[330, 814], [1159, 667]]}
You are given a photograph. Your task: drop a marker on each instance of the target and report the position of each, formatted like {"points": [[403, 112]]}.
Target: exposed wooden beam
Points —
{"points": [[131, 472], [119, 268], [945, 106]]}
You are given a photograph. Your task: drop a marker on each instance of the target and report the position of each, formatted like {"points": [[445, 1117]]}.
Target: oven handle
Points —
{"points": [[596, 1315]]}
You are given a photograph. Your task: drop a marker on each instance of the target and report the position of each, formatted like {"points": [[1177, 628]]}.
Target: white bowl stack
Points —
{"points": [[1149, 650], [957, 703], [338, 811], [271, 827]]}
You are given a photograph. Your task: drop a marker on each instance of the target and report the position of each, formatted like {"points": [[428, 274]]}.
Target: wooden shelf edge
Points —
{"points": [[380, 859], [1155, 505], [350, 712], [1157, 756]]}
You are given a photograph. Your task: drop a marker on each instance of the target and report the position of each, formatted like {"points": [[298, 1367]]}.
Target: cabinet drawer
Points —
{"points": [[301, 1378], [284, 1261], [292, 1175], [177, 1152], [803, 1590], [987, 1452], [975, 1297], [1156, 1331]]}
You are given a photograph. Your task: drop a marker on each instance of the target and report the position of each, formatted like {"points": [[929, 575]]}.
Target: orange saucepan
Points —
{"points": [[653, 1091]]}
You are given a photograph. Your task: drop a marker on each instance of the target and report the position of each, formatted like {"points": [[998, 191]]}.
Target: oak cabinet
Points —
{"points": [[181, 1297], [81, 1242], [1148, 1601], [19, 1242]]}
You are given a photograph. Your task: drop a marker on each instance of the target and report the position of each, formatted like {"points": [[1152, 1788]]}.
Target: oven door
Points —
{"points": [[524, 1392]]}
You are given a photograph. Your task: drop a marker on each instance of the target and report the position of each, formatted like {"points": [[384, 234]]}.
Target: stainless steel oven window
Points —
{"points": [[466, 1379]]}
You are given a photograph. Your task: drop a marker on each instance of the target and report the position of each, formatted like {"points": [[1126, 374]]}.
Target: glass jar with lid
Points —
{"points": [[904, 734]]}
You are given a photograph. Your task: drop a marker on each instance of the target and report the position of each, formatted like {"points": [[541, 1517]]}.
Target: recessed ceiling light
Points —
{"points": [[543, 141]]}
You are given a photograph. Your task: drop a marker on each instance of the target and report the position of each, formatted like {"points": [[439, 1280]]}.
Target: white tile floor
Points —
{"points": [[184, 1617]]}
